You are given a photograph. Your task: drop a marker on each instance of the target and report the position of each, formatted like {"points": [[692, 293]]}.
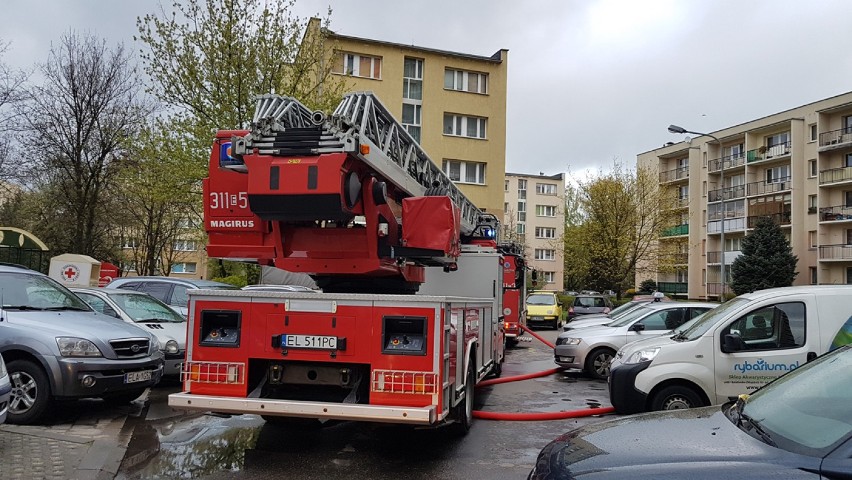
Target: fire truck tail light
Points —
{"points": [[397, 381], [213, 372]]}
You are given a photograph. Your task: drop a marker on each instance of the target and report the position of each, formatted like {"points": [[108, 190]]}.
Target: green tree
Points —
{"points": [[767, 260]]}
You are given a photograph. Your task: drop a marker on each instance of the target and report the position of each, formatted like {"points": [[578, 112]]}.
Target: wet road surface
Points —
{"points": [[172, 444]]}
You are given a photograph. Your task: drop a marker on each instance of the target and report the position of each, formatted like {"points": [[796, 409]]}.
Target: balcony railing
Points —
{"points": [[782, 218], [729, 193], [835, 175], [716, 288], [835, 252], [682, 202], [762, 188], [679, 173], [731, 225], [715, 258], [676, 230], [836, 137], [767, 153], [673, 287], [838, 213], [730, 161], [678, 258]]}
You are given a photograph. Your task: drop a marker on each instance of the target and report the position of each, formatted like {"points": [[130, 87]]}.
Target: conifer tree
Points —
{"points": [[767, 260]]}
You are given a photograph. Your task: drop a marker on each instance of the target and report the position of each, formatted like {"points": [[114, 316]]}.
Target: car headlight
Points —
{"points": [[567, 341], [153, 346], [550, 311], [77, 347], [643, 356], [171, 346]]}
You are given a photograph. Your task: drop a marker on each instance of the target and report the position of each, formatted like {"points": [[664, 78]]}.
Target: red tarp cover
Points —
{"points": [[431, 222]]}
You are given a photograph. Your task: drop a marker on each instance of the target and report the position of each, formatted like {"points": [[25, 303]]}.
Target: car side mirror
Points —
{"points": [[733, 343], [637, 327]]}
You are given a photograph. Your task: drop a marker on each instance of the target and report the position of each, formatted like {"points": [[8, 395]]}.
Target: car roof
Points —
{"points": [[14, 267], [108, 291], [198, 283], [668, 305]]}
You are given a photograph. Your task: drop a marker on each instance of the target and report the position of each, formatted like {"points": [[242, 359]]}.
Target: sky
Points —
{"points": [[589, 82]]}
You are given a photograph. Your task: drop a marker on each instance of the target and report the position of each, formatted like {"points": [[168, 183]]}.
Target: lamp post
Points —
{"points": [[681, 130]]}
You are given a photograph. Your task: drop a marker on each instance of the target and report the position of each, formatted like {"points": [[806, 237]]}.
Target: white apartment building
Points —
{"points": [[534, 216], [794, 166]]}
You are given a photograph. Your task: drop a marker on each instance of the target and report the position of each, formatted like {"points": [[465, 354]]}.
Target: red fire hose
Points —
{"points": [[586, 412]]}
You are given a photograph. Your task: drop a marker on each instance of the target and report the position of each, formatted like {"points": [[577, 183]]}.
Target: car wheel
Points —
{"points": [[676, 397], [30, 392], [123, 398], [511, 342], [463, 412], [597, 363], [556, 323]]}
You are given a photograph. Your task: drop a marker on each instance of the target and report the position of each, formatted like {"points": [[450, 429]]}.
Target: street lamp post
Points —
{"points": [[681, 130]]}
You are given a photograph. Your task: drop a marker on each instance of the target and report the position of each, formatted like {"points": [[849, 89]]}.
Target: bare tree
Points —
{"points": [[11, 93], [79, 123]]}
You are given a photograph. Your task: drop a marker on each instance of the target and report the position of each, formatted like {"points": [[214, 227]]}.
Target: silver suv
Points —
{"points": [[169, 290], [55, 346]]}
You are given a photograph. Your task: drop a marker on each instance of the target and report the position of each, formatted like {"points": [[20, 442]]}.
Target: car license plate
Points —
{"points": [[133, 377], [309, 341]]}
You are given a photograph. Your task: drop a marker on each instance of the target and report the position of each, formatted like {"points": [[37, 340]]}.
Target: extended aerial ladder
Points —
{"points": [[323, 196]]}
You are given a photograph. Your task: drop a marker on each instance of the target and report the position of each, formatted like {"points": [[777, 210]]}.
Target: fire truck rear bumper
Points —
{"points": [[293, 408]]}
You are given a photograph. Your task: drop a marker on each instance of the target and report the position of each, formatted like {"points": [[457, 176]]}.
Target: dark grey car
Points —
{"points": [[588, 304]]}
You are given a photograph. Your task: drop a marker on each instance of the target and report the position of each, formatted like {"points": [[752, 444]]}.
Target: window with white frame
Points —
{"points": [[812, 203], [522, 216], [522, 206], [521, 228], [412, 96], [130, 243], [812, 168], [545, 232], [185, 245], [465, 81], [183, 267], [545, 254], [549, 277], [464, 126], [465, 172], [545, 188], [813, 130], [778, 174], [357, 65], [545, 211]]}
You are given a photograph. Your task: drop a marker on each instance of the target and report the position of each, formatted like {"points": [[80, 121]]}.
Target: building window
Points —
{"points": [[812, 168], [848, 275], [183, 267], [522, 216], [849, 236], [545, 254], [704, 188], [522, 206], [465, 172], [812, 239], [358, 65], [545, 232], [549, 277], [813, 274], [412, 96], [848, 197], [848, 162], [812, 203], [130, 243], [545, 211], [778, 174], [506, 186], [812, 128], [521, 228], [185, 246], [733, 244], [779, 139], [464, 126], [505, 207], [545, 189], [703, 276], [463, 81]]}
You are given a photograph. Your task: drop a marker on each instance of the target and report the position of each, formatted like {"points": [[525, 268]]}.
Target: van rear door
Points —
{"points": [[770, 339]]}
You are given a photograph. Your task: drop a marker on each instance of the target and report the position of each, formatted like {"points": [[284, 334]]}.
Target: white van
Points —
{"points": [[733, 349]]}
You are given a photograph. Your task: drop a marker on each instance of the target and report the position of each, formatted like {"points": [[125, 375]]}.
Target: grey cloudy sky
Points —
{"points": [[589, 81]]}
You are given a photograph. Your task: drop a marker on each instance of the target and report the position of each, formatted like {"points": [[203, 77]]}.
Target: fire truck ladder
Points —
{"points": [[282, 126]]}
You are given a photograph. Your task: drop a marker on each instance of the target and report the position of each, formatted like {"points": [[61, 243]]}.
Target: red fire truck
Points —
{"points": [[411, 311]]}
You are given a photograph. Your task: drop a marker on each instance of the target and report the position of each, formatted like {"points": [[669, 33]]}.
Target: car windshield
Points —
{"points": [[142, 307], [589, 302], [708, 319], [23, 291], [623, 308], [807, 411], [541, 299], [630, 317]]}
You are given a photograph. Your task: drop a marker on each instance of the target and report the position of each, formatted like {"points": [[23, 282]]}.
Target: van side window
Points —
{"points": [[772, 327]]}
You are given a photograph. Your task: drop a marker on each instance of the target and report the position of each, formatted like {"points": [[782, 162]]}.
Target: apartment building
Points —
{"points": [[794, 166], [453, 104], [534, 216]]}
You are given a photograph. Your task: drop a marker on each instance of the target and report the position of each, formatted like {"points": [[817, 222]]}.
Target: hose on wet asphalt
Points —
{"points": [[534, 416]]}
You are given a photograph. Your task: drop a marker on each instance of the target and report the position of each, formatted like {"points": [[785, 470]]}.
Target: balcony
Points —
{"points": [[715, 258], [763, 188], [716, 288], [835, 252], [673, 287], [676, 230], [729, 161], [680, 173], [841, 213], [731, 225], [835, 139], [835, 175], [769, 153], [780, 219], [678, 258], [682, 202], [729, 193]]}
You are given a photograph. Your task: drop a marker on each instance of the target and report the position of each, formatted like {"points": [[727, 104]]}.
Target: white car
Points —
{"points": [[5, 391], [144, 311]]}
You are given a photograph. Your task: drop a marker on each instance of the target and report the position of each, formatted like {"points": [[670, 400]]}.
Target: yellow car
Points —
{"points": [[543, 307]]}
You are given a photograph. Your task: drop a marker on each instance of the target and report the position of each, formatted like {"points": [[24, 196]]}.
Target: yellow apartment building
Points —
{"points": [[534, 215], [794, 166]]}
